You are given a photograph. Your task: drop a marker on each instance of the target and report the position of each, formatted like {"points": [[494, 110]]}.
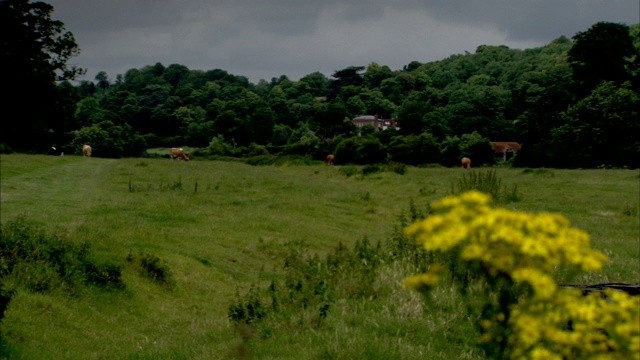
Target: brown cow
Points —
{"points": [[86, 150], [330, 158], [466, 163], [178, 153]]}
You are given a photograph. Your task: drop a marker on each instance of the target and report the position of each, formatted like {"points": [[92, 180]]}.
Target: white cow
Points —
{"points": [[86, 150]]}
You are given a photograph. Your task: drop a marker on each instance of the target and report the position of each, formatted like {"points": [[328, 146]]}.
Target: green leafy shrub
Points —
{"points": [[478, 148], [487, 182], [397, 167], [222, 147], [279, 160], [402, 248], [484, 181], [5, 149], [371, 169], [104, 274], [151, 267], [310, 287], [5, 298], [43, 262], [110, 140], [260, 160], [349, 171], [539, 171], [248, 309], [415, 149], [360, 150]]}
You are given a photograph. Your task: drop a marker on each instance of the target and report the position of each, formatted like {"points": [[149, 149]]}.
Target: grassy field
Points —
{"points": [[223, 227]]}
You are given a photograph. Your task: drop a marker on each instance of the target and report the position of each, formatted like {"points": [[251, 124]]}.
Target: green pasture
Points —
{"points": [[224, 227], [166, 151]]}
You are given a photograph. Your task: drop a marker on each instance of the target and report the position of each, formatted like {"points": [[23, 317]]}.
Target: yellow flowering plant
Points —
{"points": [[513, 255]]}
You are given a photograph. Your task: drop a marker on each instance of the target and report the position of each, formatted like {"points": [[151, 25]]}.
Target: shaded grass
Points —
{"points": [[235, 230]]}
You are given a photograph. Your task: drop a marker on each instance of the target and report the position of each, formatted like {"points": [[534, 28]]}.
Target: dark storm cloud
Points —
{"points": [[536, 19], [265, 39]]}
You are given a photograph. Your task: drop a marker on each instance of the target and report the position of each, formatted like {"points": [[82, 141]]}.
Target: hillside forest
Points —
{"points": [[571, 103]]}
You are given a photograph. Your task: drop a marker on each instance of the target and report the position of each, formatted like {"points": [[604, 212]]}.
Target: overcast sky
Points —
{"points": [[263, 39]]}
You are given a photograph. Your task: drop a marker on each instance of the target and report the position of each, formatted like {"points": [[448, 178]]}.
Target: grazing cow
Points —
{"points": [[466, 163], [330, 158], [86, 150], [178, 153]]}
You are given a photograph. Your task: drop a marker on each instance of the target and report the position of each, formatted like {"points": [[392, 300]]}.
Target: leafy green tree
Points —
{"points": [[318, 83], [478, 148], [411, 117], [34, 51], [222, 147], [367, 130], [397, 88], [602, 53], [601, 129], [232, 127], [478, 105], [360, 150], [332, 119], [304, 141], [168, 123], [176, 74], [355, 106], [86, 88], [278, 103], [350, 76], [281, 135], [543, 92], [69, 97], [262, 122], [110, 141], [102, 80], [153, 95], [88, 111], [415, 149], [450, 151], [133, 114], [386, 135], [199, 134], [138, 79], [375, 74], [376, 104]]}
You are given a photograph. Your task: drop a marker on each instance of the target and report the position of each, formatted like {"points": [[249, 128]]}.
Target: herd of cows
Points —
{"points": [[178, 153]]}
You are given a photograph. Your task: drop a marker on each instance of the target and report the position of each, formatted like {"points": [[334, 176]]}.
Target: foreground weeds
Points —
{"points": [[42, 262], [487, 182], [350, 287]]}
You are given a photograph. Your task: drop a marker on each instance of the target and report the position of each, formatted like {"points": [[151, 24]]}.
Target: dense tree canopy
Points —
{"points": [[34, 50], [573, 102], [605, 52]]}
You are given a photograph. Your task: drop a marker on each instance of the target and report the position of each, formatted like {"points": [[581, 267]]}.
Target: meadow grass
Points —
{"points": [[223, 227]]}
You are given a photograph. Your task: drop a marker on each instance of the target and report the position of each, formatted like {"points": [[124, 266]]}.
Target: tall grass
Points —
{"points": [[487, 182], [235, 233]]}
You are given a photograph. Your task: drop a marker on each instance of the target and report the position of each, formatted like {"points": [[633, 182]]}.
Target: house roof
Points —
{"points": [[499, 147], [365, 117]]}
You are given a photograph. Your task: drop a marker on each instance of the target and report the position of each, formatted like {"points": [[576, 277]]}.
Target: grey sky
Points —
{"points": [[262, 39]]}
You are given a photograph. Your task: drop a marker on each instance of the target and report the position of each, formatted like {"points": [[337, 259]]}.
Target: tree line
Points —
{"points": [[571, 103]]}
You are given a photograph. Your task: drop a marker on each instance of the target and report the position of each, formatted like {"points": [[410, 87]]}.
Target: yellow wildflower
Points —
{"points": [[509, 248]]}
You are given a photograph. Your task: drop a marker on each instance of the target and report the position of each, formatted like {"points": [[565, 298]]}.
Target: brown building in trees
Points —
{"points": [[373, 120], [505, 150]]}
